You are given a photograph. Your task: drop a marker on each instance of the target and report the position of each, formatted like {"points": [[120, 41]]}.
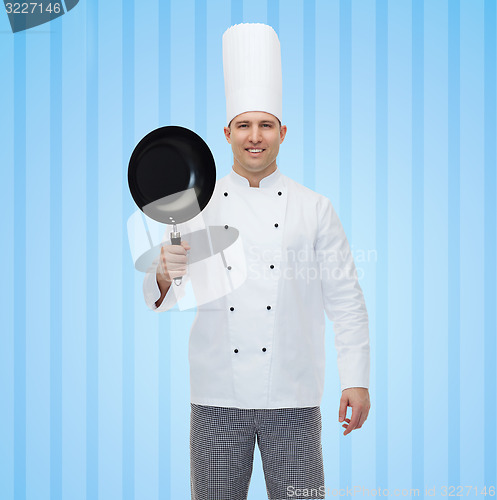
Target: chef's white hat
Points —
{"points": [[252, 70]]}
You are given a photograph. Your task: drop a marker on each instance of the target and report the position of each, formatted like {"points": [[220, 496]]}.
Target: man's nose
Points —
{"points": [[255, 134]]}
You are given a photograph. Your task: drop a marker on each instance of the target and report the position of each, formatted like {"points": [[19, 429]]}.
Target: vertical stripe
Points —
{"points": [[345, 176], [435, 231], [55, 260], [164, 62], [309, 71], [471, 243], [165, 430], [7, 255], [110, 176], [381, 327], [273, 14], [73, 270], [417, 244], [236, 11], [327, 107], [291, 34], [490, 249], [38, 270], [19, 266], [255, 11], [453, 344], [345, 113], [92, 295], [399, 240], [128, 319], [200, 67]]}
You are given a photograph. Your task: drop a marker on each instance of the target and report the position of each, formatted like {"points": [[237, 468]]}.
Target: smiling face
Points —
{"points": [[255, 138]]}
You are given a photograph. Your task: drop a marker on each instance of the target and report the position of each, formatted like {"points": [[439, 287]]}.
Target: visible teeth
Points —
{"points": [[255, 150]]}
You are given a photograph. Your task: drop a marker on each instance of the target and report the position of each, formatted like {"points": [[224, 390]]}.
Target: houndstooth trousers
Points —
{"points": [[222, 442]]}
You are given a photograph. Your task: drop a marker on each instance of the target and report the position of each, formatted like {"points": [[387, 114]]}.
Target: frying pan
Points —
{"points": [[171, 177]]}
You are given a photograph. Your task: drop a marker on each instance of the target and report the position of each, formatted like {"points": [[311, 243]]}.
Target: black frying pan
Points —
{"points": [[171, 176]]}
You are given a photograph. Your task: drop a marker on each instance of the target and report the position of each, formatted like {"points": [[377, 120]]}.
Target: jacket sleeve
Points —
{"points": [[343, 299], [151, 291]]}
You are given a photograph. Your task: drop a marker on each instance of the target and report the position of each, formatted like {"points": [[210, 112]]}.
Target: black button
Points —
{"points": [[229, 268], [225, 194], [226, 226], [276, 225], [232, 308], [236, 350], [263, 349], [268, 307], [271, 266], [279, 193]]}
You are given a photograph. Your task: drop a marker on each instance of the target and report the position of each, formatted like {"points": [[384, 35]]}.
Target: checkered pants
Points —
{"points": [[222, 442]]}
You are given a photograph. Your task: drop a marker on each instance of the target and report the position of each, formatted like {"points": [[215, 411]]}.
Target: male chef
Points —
{"points": [[257, 353]]}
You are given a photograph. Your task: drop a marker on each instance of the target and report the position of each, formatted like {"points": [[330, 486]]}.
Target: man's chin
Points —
{"points": [[255, 169]]}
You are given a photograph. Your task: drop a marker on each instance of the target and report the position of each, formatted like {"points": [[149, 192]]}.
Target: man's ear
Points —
{"points": [[227, 134], [283, 131]]}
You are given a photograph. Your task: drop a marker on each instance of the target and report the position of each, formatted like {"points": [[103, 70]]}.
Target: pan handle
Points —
{"points": [[176, 240]]}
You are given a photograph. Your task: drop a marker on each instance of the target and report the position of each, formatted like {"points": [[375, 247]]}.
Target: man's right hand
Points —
{"points": [[172, 264]]}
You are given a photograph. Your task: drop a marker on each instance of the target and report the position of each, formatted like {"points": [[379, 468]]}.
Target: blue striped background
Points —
{"points": [[391, 113]]}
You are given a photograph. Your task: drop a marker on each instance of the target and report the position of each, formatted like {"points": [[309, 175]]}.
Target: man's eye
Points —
{"points": [[266, 125]]}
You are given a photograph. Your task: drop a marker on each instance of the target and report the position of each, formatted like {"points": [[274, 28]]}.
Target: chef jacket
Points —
{"points": [[263, 344]]}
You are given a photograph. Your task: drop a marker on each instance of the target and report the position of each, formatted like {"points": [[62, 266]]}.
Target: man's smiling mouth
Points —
{"points": [[255, 150]]}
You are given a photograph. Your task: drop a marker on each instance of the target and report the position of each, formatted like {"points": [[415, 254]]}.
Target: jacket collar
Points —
{"points": [[270, 180]]}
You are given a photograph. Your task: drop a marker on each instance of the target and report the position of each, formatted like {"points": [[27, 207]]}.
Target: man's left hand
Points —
{"points": [[358, 399]]}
